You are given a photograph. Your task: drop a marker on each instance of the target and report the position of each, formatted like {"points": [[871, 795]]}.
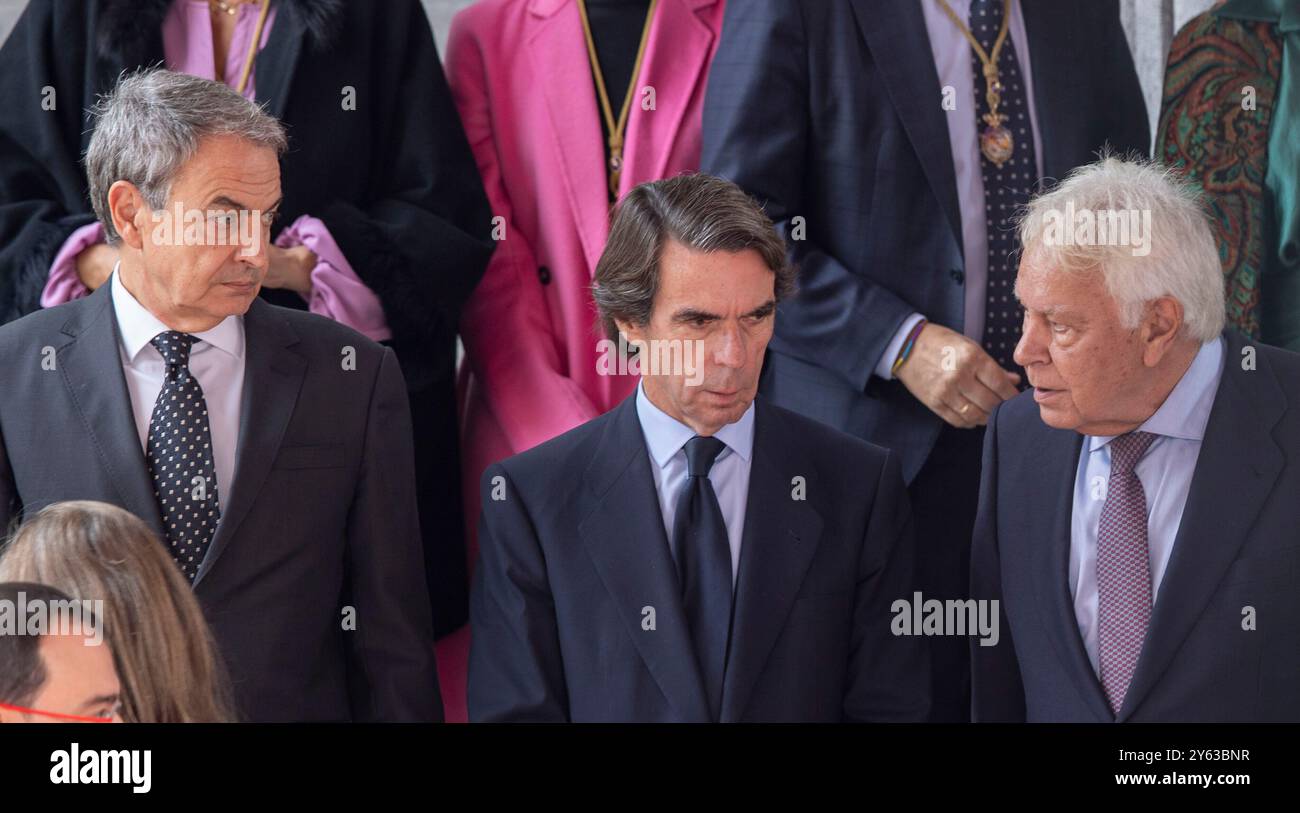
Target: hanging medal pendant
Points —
{"points": [[995, 140], [615, 172], [997, 144]]}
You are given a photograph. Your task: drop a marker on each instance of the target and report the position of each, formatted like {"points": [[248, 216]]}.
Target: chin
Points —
{"points": [[231, 303], [1058, 418]]}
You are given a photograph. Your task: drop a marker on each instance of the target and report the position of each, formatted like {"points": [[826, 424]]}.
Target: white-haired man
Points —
{"points": [[1138, 510]]}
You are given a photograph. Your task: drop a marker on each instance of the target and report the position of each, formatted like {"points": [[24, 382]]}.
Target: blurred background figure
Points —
{"points": [[1230, 111], [53, 677], [385, 226], [165, 655], [892, 143], [568, 104]]}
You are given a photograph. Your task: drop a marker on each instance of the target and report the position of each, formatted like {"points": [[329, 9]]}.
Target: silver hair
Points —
{"points": [[1183, 260], [151, 123]]}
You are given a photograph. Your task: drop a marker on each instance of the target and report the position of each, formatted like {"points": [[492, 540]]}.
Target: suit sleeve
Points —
{"points": [[515, 670], [510, 342], [392, 676], [997, 693], [42, 186], [422, 243], [756, 133], [889, 675]]}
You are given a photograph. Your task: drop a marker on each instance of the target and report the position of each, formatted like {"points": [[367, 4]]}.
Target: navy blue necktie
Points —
{"points": [[180, 457], [1006, 188], [703, 557]]}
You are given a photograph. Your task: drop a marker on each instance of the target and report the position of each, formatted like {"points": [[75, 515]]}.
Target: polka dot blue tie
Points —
{"points": [[1006, 188], [180, 457]]}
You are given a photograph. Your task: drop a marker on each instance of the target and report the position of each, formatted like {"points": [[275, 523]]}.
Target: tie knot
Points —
{"points": [[174, 347], [700, 454], [1127, 449]]}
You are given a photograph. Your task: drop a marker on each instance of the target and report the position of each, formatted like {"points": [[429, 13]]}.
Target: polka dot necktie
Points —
{"points": [[180, 457], [704, 565], [1006, 188], [1123, 569]]}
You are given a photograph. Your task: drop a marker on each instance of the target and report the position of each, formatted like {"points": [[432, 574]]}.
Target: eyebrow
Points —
{"points": [[694, 314], [222, 200], [101, 700]]}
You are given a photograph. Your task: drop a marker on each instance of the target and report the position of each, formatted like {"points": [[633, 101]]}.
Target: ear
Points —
{"points": [[630, 331], [1160, 330], [130, 215]]}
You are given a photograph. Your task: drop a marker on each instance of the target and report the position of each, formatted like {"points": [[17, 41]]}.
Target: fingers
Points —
{"points": [[960, 412], [1001, 382], [950, 416], [981, 396]]}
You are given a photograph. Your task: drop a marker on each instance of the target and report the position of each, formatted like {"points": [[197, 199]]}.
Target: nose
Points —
{"points": [[730, 348], [1032, 346], [254, 252]]}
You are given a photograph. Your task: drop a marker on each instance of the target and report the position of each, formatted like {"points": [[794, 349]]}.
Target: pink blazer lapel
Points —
{"points": [[676, 62], [563, 72]]}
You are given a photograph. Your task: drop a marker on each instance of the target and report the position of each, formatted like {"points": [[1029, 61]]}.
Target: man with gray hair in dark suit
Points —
{"points": [[269, 449]]}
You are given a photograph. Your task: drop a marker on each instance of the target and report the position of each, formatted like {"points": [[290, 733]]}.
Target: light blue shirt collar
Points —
{"points": [[138, 325], [665, 435], [1186, 411]]}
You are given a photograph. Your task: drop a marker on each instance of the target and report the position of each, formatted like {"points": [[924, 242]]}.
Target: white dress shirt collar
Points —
{"points": [[138, 326]]}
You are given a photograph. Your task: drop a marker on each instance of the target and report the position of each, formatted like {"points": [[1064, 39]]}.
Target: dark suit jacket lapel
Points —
{"points": [[91, 366], [624, 535], [1054, 492], [779, 541], [1237, 467], [273, 377], [1050, 28], [900, 50]]}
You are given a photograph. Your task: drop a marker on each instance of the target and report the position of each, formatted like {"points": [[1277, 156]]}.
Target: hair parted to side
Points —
{"points": [[702, 213], [151, 123], [1183, 262], [166, 658]]}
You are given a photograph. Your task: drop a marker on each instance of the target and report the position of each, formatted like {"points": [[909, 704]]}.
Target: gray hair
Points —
{"points": [[698, 211], [151, 123], [1183, 259]]}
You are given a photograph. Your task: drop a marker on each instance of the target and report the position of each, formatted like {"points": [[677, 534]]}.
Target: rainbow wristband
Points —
{"points": [[906, 349]]}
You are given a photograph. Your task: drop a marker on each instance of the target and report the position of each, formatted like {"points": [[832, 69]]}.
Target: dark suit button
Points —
{"points": [[958, 276], [544, 274]]}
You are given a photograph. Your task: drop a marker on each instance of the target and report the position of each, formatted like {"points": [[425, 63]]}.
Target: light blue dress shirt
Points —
{"points": [[665, 437], [1165, 472]]}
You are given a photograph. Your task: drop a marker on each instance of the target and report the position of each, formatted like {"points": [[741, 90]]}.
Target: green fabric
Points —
{"points": [[1281, 286]]}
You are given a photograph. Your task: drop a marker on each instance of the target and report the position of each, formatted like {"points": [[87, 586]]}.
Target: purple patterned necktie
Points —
{"points": [[1123, 569]]}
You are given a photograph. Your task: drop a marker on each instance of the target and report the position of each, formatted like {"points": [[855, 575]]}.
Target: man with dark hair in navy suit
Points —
{"points": [[694, 555]]}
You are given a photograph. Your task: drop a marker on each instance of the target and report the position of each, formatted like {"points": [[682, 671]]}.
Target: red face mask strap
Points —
{"points": [[72, 718]]}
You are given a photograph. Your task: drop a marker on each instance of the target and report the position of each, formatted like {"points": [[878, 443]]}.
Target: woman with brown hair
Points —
{"points": [[169, 666]]}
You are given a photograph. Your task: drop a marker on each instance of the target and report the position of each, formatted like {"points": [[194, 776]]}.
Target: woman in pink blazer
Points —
{"points": [[522, 77]]}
